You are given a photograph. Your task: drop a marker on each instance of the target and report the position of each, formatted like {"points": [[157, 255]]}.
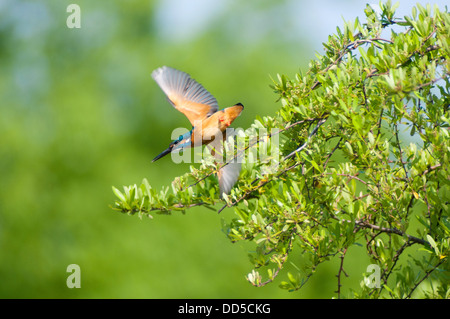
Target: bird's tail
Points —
{"points": [[163, 153]]}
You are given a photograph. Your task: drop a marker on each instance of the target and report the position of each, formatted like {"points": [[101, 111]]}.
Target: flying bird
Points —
{"points": [[209, 124]]}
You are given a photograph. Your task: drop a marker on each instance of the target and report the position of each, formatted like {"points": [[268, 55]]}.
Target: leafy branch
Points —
{"points": [[338, 169]]}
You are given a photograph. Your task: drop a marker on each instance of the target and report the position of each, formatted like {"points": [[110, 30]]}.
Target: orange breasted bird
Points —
{"points": [[202, 110]]}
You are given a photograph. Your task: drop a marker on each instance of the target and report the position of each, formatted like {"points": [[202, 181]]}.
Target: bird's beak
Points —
{"points": [[163, 153]]}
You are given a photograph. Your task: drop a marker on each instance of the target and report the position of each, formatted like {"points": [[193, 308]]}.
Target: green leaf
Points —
{"points": [[433, 245], [118, 194], [371, 138], [316, 166], [292, 279], [349, 147]]}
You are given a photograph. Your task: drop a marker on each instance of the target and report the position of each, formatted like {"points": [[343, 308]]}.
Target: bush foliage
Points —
{"points": [[362, 159]]}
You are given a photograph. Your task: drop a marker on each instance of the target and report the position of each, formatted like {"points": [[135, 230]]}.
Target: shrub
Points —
{"points": [[345, 174]]}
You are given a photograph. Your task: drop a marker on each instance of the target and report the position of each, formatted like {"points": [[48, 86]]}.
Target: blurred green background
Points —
{"points": [[80, 113]]}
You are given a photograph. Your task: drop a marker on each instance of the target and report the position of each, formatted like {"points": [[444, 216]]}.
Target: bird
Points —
{"points": [[208, 122]]}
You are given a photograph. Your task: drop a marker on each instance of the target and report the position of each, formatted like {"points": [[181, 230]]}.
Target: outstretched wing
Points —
{"points": [[185, 94], [228, 174]]}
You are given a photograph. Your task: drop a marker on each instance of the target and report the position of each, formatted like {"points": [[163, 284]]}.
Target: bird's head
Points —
{"points": [[230, 114]]}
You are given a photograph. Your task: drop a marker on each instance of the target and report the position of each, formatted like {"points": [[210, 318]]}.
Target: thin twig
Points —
{"points": [[280, 266], [332, 152], [427, 274], [391, 231], [401, 152], [314, 131], [395, 259], [341, 270]]}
